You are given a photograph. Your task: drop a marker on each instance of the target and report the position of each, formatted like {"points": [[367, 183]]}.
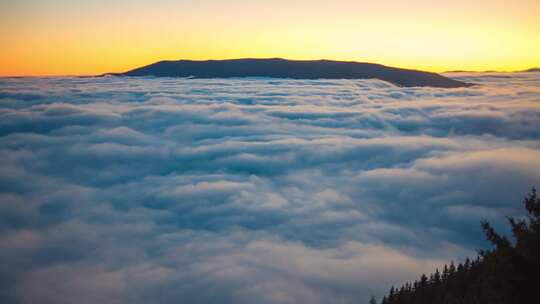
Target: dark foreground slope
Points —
{"points": [[507, 274], [282, 68]]}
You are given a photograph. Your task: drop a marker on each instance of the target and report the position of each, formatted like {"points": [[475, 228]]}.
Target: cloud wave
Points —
{"points": [[144, 190]]}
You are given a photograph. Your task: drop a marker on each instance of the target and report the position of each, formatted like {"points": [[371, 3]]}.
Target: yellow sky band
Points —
{"points": [[61, 37]]}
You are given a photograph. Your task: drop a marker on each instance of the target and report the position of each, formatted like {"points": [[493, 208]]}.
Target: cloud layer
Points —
{"points": [[150, 190]]}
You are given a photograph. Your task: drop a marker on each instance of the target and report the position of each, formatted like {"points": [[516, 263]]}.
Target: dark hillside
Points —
{"points": [[282, 68]]}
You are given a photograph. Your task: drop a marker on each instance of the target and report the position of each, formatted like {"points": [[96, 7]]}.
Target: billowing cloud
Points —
{"points": [[147, 190]]}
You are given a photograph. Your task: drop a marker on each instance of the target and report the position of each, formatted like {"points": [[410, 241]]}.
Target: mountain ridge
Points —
{"points": [[294, 69], [530, 70]]}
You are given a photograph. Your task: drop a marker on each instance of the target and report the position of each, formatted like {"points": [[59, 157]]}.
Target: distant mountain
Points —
{"points": [[494, 71], [295, 69]]}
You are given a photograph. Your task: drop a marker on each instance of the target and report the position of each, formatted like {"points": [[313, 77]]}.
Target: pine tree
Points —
{"points": [[508, 273]]}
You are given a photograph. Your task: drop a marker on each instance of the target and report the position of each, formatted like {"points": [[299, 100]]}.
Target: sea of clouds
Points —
{"points": [[145, 190]]}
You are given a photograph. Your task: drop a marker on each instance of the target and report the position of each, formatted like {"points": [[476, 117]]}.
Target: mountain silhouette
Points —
{"points": [[295, 69]]}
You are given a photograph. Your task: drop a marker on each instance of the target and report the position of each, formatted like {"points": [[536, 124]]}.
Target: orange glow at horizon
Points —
{"points": [[71, 37]]}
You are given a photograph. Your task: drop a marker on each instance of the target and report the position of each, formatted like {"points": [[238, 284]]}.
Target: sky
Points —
{"points": [[271, 191], [74, 37]]}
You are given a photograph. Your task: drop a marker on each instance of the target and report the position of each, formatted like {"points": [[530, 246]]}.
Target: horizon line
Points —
{"points": [[269, 58]]}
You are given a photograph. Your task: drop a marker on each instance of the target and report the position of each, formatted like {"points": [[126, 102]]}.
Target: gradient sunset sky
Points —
{"points": [[67, 37]]}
